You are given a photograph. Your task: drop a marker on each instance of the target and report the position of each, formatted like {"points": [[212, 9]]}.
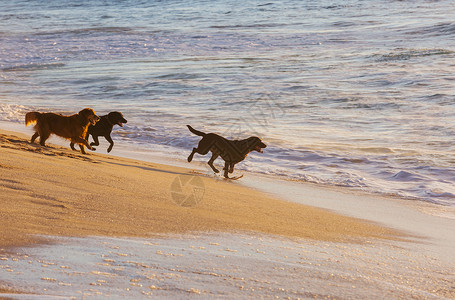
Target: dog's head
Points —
{"points": [[89, 115], [256, 144], [116, 117]]}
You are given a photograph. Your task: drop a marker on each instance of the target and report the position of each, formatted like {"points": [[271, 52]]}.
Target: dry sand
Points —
{"points": [[56, 191]]}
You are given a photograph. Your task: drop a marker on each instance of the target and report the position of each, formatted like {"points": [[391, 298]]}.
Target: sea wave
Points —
{"points": [[33, 67], [444, 28], [256, 25], [13, 112], [406, 54], [91, 31], [406, 176]]}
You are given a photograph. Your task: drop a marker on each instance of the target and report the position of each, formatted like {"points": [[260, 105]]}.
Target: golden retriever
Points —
{"points": [[104, 128], [73, 128], [231, 151]]}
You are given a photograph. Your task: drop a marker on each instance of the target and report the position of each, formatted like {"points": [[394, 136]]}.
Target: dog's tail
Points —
{"points": [[196, 132], [31, 117]]}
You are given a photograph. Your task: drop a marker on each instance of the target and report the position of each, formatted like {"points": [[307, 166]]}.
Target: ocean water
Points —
{"points": [[358, 94]]}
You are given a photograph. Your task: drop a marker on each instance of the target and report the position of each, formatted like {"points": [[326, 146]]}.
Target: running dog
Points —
{"points": [[73, 128], [104, 128], [231, 151]]}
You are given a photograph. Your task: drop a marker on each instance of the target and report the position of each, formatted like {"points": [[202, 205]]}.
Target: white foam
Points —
{"points": [[223, 266], [12, 112]]}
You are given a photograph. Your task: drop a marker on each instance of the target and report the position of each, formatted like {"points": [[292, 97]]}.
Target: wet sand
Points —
{"points": [[226, 266], [98, 225]]}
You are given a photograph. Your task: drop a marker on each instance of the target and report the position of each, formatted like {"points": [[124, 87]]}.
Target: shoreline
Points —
{"points": [[66, 193], [135, 152]]}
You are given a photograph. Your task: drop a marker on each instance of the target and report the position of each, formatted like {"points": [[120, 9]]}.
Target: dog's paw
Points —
{"points": [[93, 149], [216, 170]]}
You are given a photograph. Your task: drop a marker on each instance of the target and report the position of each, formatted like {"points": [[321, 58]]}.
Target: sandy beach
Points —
{"points": [[54, 196], [56, 191]]}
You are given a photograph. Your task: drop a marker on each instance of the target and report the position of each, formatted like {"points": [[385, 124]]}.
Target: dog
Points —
{"points": [[73, 128], [231, 151], [104, 128]]}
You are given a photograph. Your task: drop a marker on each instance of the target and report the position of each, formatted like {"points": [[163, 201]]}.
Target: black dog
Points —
{"points": [[231, 151], [104, 128]]}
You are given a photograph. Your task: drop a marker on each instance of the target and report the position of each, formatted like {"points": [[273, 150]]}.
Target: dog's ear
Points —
{"points": [[251, 142], [122, 118], [255, 141], [85, 112], [116, 117]]}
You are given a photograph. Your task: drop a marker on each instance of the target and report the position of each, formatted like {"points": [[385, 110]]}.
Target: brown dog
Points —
{"points": [[104, 128], [73, 128], [231, 151]]}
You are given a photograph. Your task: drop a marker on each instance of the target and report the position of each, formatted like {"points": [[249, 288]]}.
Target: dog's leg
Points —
{"points": [[190, 158], [81, 146], [95, 142], [210, 162], [44, 133], [34, 137], [226, 169], [82, 142], [43, 137], [109, 139], [72, 146], [231, 167]]}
